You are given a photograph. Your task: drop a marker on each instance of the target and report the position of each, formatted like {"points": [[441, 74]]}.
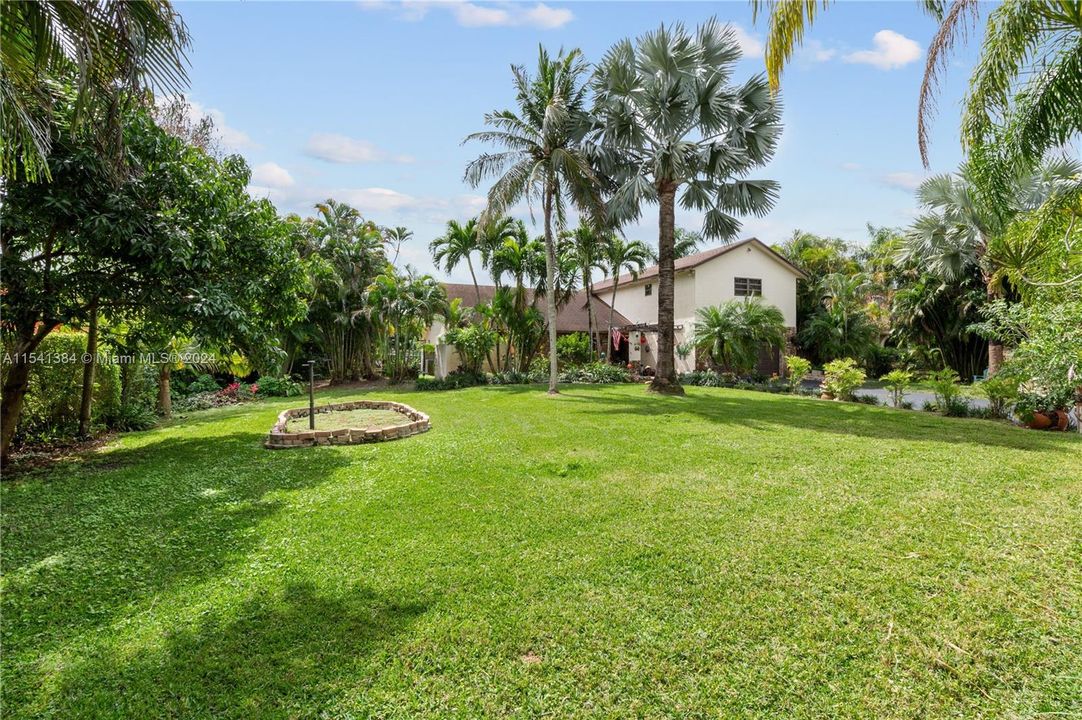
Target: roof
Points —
{"points": [[572, 316], [693, 261]]}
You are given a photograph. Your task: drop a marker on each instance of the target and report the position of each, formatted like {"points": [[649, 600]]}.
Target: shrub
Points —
{"points": [[597, 372], [473, 344], [512, 377], [866, 399], [279, 387], [204, 401], [945, 388], [702, 378], [202, 384], [454, 381], [957, 407], [1001, 390], [897, 382], [841, 377], [132, 417], [574, 349], [798, 369]]}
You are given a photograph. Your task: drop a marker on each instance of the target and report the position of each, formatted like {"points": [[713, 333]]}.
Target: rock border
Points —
{"points": [[279, 438]]}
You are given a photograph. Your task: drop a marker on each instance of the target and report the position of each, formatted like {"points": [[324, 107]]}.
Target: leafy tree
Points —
{"points": [[840, 326], [731, 334], [543, 159], [586, 247], [402, 305], [622, 256], [108, 51], [177, 245], [669, 120]]}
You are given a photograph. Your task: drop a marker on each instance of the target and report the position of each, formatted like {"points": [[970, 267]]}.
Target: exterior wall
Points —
{"points": [[709, 284], [714, 279]]}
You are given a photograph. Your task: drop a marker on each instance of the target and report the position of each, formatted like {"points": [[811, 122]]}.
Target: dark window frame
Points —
{"points": [[747, 287], [649, 289]]}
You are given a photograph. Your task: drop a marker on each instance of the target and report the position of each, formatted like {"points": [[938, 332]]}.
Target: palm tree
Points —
{"points": [[586, 247], [731, 334], [543, 157], [457, 244], [685, 242], [395, 236], [670, 120], [109, 51], [622, 256], [954, 237], [491, 235]]}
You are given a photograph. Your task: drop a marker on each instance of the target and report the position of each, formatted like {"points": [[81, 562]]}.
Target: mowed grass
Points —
{"points": [[601, 554]]}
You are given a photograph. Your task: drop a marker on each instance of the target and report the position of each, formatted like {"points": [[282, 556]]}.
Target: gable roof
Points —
{"points": [[692, 261], [572, 316]]}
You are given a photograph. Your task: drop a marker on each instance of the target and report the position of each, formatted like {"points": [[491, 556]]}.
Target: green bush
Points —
{"points": [[51, 407], [897, 382], [203, 384], [841, 377], [279, 387], [473, 344], [574, 349], [946, 389], [454, 381], [1001, 390], [798, 368], [601, 373]]}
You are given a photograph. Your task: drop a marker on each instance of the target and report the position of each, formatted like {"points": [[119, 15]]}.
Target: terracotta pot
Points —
{"points": [[1060, 420], [1040, 421], [826, 396]]}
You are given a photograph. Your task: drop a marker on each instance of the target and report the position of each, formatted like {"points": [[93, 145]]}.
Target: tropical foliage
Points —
{"points": [[732, 334]]}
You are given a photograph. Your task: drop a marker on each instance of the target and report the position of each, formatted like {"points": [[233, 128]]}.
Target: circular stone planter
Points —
{"points": [[280, 437]]}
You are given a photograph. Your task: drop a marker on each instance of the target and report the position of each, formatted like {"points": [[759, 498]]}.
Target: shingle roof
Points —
{"points": [[570, 317], [692, 261]]}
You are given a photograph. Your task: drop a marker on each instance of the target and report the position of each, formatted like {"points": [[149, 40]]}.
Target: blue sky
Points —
{"points": [[368, 102]]}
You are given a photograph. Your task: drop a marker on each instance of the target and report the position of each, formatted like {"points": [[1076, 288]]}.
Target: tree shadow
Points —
{"points": [[761, 410], [291, 655], [85, 542]]}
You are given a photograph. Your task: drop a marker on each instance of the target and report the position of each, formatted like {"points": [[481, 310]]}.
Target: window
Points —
{"points": [[649, 289], [746, 287]]}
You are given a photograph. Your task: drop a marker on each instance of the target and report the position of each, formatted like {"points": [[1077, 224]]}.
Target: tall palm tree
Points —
{"points": [[953, 238], [395, 236], [108, 50], [543, 157], [685, 242], [622, 256], [586, 246], [458, 243], [669, 120], [491, 234]]}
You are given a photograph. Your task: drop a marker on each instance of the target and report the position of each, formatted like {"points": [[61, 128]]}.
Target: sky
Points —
{"points": [[369, 103]]}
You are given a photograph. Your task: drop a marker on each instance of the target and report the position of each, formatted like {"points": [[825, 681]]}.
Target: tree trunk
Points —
{"points": [[590, 316], [476, 287], [612, 310], [16, 383], [665, 380], [995, 347], [89, 366], [165, 402], [550, 295]]}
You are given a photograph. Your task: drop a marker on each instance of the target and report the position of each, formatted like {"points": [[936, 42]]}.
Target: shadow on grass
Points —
{"points": [[754, 410], [85, 541], [289, 655]]}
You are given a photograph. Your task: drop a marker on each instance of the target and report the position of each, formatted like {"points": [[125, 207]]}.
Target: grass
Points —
{"points": [[604, 553], [361, 418]]}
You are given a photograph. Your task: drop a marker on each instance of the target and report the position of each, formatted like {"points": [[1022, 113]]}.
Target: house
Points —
{"points": [[748, 268], [571, 317]]}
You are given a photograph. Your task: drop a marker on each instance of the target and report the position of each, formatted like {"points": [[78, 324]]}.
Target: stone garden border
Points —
{"points": [[280, 439]]}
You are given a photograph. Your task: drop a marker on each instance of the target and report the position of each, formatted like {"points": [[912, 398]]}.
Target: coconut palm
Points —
{"points": [[669, 120], [109, 51], [732, 333], [954, 237], [622, 256], [543, 157], [458, 243]]}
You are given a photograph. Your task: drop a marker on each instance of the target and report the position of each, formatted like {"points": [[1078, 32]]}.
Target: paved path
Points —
{"points": [[917, 397]]}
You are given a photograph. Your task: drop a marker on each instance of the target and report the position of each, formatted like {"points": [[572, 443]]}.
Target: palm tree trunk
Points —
{"points": [[665, 380], [995, 347], [476, 287], [165, 401], [87, 399], [590, 315], [612, 309], [550, 295]]}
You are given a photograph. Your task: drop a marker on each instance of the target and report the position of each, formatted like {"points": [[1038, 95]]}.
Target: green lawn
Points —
{"points": [[605, 553]]}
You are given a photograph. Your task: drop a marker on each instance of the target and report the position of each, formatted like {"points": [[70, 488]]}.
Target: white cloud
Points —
{"points": [[468, 14], [817, 52], [903, 180], [750, 45], [851, 166], [348, 151], [892, 50], [271, 175]]}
